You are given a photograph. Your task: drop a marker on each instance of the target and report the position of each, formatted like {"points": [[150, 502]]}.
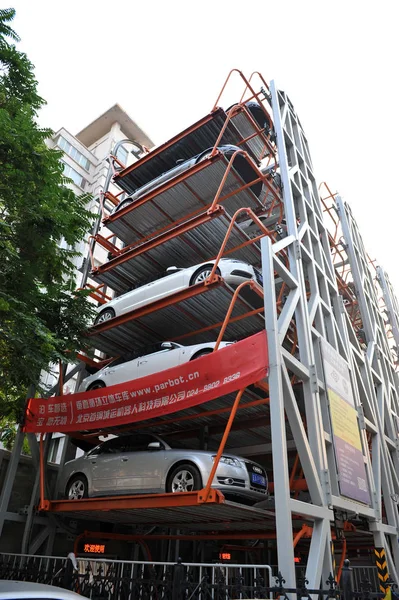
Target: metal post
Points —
{"points": [[34, 496], [285, 549], [178, 580], [347, 581], [42, 474]]}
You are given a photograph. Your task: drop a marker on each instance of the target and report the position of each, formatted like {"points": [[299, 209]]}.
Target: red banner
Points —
{"points": [[209, 377]]}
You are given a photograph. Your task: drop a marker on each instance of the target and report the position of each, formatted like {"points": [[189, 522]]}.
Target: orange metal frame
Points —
{"points": [[133, 250], [247, 83], [235, 110], [195, 290], [127, 502], [168, 144], [192, 291], [159, 500], [207, 495], [213, 280], [258, 96], [97, 292], [193, 171]]}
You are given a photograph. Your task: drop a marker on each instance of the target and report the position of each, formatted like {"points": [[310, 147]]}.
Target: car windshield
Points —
{"points": [[176, 445]]}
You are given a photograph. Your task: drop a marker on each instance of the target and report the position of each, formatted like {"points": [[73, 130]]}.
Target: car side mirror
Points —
{"points": [[154, 446], [172, 269], [167, 345]]}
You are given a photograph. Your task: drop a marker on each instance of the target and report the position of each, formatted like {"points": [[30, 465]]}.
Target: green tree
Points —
{"points": [[8, 433], [42, 319]]}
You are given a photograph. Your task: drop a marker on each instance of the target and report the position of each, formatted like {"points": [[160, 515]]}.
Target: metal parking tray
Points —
{"points": [[185, 511], [196, 241], [182, 198], [196, 313], [195, 139]]}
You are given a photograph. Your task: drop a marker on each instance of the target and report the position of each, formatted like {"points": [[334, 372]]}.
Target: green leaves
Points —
{"points": [[41, 220], [7, 14]]}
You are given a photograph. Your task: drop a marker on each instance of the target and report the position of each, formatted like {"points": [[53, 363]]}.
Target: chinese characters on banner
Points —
{"points": [[347, 442], [209, 377]]}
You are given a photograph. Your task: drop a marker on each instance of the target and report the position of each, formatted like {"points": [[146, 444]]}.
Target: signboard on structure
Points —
{"points": [[212, 376], [345, 426]]}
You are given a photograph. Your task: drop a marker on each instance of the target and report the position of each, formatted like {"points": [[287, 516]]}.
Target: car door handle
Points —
{"points": [[142, 362], [93, 462], [124, 459]]}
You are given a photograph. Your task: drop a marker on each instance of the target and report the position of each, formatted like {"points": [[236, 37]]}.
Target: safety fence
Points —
{"points": [[101, 579]]}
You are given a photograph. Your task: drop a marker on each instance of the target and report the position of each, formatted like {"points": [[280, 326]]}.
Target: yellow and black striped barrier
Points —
{"points": [[382, 568]]}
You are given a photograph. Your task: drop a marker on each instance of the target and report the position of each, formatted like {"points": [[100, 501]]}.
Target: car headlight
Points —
{"points": [[233, 462]]}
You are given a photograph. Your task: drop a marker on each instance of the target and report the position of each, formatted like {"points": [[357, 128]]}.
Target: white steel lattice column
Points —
{"points": [[381, 401], [392, 309], [302, 263]]}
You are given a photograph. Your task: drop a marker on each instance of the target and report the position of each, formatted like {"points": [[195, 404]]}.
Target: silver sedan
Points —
{"points": [[145, 464]]}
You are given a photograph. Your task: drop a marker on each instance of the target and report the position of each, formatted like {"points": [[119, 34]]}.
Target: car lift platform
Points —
{"points": [[186, 510], [188, 194], [197, 313], [195, 139], [195, 241]]}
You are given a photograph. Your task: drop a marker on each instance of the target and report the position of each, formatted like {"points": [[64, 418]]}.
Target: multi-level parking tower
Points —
{"points": [[321, 414]]}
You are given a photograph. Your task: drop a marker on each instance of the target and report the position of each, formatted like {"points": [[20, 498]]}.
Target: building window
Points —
{"points": [[72, 174], [122, 155], [73, 153], [53, 451]]}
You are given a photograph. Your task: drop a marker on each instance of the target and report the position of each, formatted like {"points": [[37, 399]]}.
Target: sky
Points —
{"points": [[165, 62]]}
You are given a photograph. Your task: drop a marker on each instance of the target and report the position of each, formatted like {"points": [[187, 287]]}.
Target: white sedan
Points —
{"points": [[134, 365], [26, 590], [174, 280]]}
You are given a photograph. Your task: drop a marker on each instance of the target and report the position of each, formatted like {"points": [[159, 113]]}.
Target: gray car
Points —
{"points": [[145, 464]]}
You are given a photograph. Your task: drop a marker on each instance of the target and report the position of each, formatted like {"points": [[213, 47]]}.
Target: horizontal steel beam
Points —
{"points": [[310, 510], [133, 502]]}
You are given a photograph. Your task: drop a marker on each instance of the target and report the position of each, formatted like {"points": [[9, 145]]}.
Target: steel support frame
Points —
{"points": [[392, 309], [380, 379], [314, 303]]}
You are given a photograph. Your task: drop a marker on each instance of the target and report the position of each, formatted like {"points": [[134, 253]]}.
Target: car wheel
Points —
{"points": [[77, 488], [202, 353], [202, 274], [96, 386], [184, 478], [105, 315]]}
